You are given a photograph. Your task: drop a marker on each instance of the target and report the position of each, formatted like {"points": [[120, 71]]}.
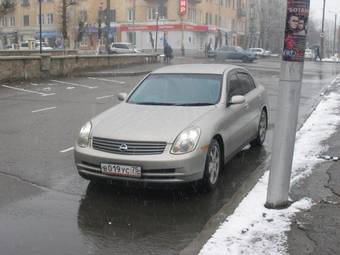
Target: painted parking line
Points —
{"points": [[101, 79], [105, 97], [29, 91], [67, 150], [44, 109], [74, 84]]}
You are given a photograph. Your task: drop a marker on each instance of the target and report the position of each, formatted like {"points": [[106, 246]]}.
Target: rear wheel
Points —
{"points": [[261, 130], [212, 165]]}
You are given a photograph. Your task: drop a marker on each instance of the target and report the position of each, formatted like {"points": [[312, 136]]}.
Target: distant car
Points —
{"points": [[180, 124], [123, 47], [24, 45], [232, 52], [258, 51], [309, 54], [44, 46]]}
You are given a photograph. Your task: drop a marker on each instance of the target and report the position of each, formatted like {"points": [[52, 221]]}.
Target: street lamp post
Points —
{"points": [[334, 39], [40, 28], [107, 26], [322, 35], [157, 18]]}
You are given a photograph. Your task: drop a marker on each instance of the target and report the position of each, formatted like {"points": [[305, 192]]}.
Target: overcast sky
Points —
{"points": [[331, 5]]}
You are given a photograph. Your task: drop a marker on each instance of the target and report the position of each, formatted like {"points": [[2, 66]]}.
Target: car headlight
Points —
{"points": [[83, 139], [186, 141]]}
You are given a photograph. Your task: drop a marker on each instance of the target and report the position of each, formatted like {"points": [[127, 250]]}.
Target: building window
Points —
{"points": [[129, 14], [26, 19], [206, 18], [12, 21], [25, 2], [50, 18], [83, 15], [42, 19], [112, 15], [152, 13]]}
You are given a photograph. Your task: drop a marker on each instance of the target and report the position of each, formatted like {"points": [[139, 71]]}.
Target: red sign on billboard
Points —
{"points": [[182, 7]]}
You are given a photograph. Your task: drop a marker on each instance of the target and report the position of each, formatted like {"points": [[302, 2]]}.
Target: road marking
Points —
{"points": [[68, 149], [34, 84], [29, 91], [105, 96], [101, 79], [44, 109], [74, 84]]}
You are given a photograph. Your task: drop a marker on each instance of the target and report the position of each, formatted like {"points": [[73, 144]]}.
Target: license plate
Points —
{"points": [[121, 170]]}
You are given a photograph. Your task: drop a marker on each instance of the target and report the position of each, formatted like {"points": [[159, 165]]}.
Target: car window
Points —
{"points": [[234, 87], [178, 89], [246, 82]]}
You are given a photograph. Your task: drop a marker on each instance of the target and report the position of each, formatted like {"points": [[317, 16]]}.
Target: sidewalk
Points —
{"points": [[311, 224], [317, 231]]}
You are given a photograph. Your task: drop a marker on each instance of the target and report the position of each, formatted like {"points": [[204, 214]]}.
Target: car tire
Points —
{"points": [[261, 130], [212, 166]]}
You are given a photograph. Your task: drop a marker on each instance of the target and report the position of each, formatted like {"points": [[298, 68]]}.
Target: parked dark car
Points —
{"points": [[232, 52]]}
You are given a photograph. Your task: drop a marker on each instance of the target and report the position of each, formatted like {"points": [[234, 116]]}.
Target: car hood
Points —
{"points": [[146, 123]]}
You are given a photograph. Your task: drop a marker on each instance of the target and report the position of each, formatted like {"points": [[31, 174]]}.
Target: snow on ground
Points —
{"points": [[254, 229]]}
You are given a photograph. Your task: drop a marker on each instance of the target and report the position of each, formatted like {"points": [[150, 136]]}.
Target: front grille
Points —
{"points": [[128, 147]]}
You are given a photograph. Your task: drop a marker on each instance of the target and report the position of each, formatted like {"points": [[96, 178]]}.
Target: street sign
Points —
{"points": [[182, 7]]}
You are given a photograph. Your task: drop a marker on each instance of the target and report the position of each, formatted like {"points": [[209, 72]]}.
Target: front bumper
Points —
{"points": [[161, 168]]}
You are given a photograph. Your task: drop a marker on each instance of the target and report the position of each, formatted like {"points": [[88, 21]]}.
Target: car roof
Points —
{"points": [[196, 69]]}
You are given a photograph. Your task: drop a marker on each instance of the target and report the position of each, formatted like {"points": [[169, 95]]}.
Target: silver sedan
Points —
{"points": [[180, 124]]}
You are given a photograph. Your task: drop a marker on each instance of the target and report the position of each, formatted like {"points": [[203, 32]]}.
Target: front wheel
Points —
{"points": [[212, 165], [261, 130]]}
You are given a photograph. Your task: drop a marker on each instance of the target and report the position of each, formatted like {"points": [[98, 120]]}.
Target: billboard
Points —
{"points": [[296, 30]]}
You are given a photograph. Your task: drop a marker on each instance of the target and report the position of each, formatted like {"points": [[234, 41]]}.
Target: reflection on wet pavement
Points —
{"points": [[127, 220]]}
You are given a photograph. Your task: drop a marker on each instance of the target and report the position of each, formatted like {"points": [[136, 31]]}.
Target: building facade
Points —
{"points": [[187, 25]]}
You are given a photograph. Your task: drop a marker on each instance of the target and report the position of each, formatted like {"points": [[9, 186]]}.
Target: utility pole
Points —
{"points": [[334, 39], [322, 34], [107, 26], [287, 106], [40, 28], [157, 18], [133, 21]]}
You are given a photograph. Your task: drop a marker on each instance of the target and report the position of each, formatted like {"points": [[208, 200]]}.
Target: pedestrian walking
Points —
{"points": [[317, 54], [167, 53]]}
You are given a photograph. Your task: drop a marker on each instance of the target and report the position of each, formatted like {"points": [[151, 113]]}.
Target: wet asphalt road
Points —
{"points": [[46, 208]]}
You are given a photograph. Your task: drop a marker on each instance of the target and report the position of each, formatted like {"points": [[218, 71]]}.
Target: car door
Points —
{"points": [[253, 101], [234, 122]]}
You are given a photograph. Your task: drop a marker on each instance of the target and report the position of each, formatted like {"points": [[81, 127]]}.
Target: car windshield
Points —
{"points": [[178, 89]]}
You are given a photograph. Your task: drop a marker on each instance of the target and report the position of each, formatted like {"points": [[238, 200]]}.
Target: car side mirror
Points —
{"points": [[237, 100], [122, 96]]}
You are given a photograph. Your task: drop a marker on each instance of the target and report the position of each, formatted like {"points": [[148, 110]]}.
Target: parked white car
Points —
{"points": [[309, 54], [258, 51], [123, 48]]}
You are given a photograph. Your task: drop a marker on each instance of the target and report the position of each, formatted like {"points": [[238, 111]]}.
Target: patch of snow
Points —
{"points": [[254, 229]]}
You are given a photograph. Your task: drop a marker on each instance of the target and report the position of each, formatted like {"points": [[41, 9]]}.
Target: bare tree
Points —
{"points": [[272, 23], [7, 6], [64, 17]]}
